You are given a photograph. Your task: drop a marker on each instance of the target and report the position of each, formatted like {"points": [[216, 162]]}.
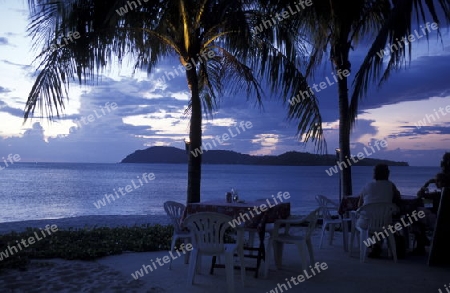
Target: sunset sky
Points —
{"points": [[150, 112]]}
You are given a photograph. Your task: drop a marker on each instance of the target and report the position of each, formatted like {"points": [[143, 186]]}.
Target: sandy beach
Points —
{"points": [[114, 273], [85, 221]]}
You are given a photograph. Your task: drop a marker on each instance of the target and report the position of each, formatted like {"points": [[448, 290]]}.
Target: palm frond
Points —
{"points": [[396, 28], [158, 29]]}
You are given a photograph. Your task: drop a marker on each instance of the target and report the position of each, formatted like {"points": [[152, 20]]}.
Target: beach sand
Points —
{"points": [[85, 221], [113, 273]]}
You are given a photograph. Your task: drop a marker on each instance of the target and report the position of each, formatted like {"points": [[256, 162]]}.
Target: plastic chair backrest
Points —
{"points": [[312, 222], [377, 215], [209, 230], [324, 205], [175, 211], [311, 219]]}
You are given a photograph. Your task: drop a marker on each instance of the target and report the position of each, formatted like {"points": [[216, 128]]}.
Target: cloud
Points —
{"points": [[151, 112], [412, 131], [10, 110], [3, 41], [425, 77], [363, 128], [424, 157], [3, 90], [94, 144], [20, 66]]}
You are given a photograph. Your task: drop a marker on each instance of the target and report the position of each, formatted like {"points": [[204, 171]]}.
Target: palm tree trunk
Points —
{"points": [[195, 138], [344, 139], [342, 63]]}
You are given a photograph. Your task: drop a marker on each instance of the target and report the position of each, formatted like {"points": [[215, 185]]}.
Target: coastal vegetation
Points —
{"points": [[88, 243], [85, 243]]}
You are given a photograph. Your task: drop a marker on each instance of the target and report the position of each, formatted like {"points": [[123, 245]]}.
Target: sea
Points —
{"points": [[37, 191]]}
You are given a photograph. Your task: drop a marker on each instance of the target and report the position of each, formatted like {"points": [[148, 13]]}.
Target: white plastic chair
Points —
{"points": [[372, 218], [302, 241], [326, 206], [353, 231], [252, 232], [174, 211], [209, 229]]}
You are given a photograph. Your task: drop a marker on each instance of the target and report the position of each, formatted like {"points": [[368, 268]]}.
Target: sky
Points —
{"points": [[126, 112]]}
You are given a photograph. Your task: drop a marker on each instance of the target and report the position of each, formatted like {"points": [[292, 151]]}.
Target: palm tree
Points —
{"points": [[336, 27], [148, 31]]}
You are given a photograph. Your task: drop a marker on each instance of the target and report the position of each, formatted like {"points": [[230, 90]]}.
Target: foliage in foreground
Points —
{"points": [[85, 244]]}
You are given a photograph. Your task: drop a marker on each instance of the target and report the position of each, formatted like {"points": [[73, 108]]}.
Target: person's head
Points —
{"points": [[445, 163], [442, 180], [381, 172]]}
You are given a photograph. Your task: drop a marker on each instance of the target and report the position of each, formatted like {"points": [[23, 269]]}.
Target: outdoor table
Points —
{"points": [[407, 204], [235, 210], [255, 219]]}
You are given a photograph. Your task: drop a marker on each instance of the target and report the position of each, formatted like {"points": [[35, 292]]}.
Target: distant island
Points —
{"points": [[172, 155]]}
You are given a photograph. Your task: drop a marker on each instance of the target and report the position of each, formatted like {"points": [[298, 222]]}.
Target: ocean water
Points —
{"points": [[32, 191]]}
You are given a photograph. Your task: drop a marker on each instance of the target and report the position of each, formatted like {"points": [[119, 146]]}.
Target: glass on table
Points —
{"points": [[228, 197]]}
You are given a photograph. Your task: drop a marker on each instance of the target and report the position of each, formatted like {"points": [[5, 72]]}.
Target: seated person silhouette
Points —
{"points": [[419, 229], [435, 195], [445, 163], [382, 190]]}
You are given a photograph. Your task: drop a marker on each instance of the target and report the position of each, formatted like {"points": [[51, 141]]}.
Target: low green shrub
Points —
{"points": [[83, 244]]}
